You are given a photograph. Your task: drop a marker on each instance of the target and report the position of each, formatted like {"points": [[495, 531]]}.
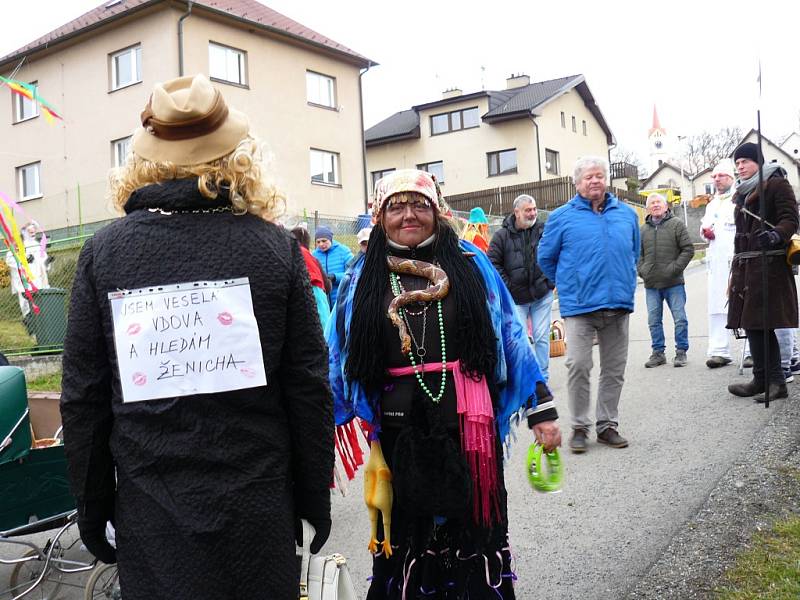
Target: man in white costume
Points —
{"points": [[37, 261], [719, 229]]}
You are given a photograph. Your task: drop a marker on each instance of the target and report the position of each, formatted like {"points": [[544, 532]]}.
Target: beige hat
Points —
{"points": [[724, 167], [363, 234], [186, 122]]}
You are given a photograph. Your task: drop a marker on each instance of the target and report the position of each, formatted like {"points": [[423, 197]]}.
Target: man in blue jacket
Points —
{"points": [[590, 248], [333, 257]]}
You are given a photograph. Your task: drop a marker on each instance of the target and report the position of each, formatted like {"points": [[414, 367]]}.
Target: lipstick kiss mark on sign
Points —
{"points": [[139, 378], [225, 318], [134, 328]]}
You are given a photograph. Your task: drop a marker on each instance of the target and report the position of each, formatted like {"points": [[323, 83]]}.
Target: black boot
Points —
{"points": [[746, 390], [776, 391]]}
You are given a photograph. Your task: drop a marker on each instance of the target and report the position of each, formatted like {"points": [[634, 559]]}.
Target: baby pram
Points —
{"points": [[34, 495]]}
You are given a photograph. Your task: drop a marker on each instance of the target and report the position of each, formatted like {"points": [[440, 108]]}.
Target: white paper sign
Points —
{"points": [[187, 338]]}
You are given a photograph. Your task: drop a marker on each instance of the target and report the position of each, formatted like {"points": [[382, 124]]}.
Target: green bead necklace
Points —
{"points": [[397, 289]]}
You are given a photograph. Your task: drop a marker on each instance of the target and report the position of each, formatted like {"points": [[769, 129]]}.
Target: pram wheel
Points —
{"points": [[25, 573], [103, 583]]}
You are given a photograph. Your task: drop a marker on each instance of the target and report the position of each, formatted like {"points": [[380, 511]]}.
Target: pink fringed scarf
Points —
{"points": [[476, 422]]}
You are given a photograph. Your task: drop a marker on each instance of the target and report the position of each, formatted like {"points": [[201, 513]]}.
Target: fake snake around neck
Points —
{"points": [[440, 286]]}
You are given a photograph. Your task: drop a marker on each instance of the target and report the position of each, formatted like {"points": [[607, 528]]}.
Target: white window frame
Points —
{"points": [[426, 167], [135, 73], [21, 170], [20, 102], [326, 163], [318, 86], [118, 160], [240, 67]]}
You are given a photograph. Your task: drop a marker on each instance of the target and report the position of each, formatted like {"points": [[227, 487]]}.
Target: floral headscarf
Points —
{"points": [[409, 180]]}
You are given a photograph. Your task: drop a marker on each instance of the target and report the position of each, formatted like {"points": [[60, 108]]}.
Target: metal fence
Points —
{"points": [[34, 333], [38, 328]]}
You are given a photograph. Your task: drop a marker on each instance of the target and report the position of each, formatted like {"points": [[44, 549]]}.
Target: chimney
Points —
{"points": [[517, 81], [451, 93]]}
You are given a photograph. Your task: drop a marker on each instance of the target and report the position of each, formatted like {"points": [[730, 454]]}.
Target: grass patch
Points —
{"points": [[770, 569], [13, 335], [46, 383]]}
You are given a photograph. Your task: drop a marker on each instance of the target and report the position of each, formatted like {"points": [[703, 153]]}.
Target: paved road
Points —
{"points": [[619, 508]]}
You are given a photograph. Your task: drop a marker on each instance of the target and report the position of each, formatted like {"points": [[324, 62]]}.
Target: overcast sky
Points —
{"points": [[695, 59]]}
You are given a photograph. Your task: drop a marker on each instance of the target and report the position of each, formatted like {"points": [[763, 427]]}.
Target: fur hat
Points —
{"points": [[186, 122], [748, 150], [323, 233], [408, 180]]}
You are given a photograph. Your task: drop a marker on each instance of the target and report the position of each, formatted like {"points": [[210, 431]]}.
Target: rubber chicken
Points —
{"points": [[378, 496]]}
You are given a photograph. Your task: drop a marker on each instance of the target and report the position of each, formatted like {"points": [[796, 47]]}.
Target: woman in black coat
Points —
{"points": [[203, 481], [745, 294]]}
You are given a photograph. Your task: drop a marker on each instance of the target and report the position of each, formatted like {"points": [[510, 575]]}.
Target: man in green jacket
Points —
{"points": [[666, 251]]}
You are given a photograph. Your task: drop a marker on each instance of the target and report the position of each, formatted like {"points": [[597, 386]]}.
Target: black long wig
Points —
{"points": [[475, 336]]}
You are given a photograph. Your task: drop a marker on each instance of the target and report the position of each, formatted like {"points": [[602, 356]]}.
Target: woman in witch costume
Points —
{"points": [[437, 400]]}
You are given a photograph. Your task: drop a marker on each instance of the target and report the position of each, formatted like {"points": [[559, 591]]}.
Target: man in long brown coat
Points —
{"points": [[746, 295]]}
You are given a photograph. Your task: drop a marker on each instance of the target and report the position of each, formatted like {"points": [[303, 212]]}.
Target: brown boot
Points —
{"points": [[612, 438], [579, 441]]}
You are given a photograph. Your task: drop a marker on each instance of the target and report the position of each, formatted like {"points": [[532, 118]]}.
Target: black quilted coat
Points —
{"points": [[206, 486]]}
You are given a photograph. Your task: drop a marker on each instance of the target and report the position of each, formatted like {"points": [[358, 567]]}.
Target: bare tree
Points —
{"points": [[707, 148], [622, 154]]}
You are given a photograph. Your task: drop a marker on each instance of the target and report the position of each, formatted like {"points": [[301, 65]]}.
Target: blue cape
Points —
{"points": [[515, 376]]}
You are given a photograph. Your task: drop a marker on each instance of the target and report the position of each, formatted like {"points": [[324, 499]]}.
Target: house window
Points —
{"points": [[455, 120], [25, 108], [551, 161], [709, 187], [378, 175], [563, 120], [324, 167], [126, 67], [321, 89], [574, 124], [434, 168], [226, 64], [29, 182], [119, 151], [584, 127], [503, 162]]}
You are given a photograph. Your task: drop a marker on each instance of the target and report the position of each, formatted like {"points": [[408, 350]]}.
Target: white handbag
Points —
{"points": [[323, 577]]}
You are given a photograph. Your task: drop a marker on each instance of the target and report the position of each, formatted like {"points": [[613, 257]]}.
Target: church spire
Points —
{"points": [[656, 124]]}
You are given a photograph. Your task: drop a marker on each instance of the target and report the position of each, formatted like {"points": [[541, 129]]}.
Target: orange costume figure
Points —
{"points": [[477, 231]]}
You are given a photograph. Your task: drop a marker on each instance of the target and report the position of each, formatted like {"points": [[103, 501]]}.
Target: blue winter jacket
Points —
{"points": [[334, 261], [591, 256]]}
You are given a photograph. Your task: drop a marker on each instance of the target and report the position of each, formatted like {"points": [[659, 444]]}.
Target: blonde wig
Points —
{"points": [[242, 171]]}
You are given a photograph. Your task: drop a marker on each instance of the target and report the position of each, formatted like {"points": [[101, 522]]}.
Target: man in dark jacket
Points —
{"points": [[666, 251], [746, 293], [196, 406], [513, 253]]}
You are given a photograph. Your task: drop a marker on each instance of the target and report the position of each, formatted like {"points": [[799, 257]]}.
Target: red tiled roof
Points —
{"points": [[247, 10]]}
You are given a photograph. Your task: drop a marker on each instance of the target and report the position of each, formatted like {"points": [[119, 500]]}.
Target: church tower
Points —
{"points": [[659, 143]]}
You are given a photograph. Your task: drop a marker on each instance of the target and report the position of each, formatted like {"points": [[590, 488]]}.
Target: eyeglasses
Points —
{"points": [[398, 208]]}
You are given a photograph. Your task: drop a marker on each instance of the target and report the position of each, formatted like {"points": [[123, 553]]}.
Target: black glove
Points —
{"points": [[314, 507], [768, 239], [92, 518], [30, 258]]}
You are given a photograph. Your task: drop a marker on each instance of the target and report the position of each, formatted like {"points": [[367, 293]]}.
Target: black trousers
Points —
{"points": [[773, 369]]}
